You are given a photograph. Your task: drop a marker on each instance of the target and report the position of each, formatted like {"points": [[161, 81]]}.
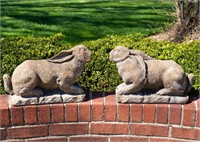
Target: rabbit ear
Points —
{"points": [[119, 53], [142, 54], [141, 66], [63, 56]]}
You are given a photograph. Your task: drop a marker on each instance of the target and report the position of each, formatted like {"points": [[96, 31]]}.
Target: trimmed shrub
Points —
{"points": [[100, 74]]}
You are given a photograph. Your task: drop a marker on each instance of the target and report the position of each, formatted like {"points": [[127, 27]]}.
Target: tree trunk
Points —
{"points": [[188, 18]]}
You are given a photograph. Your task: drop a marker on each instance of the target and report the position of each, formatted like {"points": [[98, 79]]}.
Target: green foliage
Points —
{"points": [[100, 74]]}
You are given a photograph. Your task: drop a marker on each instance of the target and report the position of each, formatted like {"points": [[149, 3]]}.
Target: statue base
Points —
{"points": [[148, 96], [49, 97], [152, 99]]}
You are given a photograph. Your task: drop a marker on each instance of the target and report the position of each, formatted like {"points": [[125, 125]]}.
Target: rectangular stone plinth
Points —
{"points": [[51, 99], [150, 99]]}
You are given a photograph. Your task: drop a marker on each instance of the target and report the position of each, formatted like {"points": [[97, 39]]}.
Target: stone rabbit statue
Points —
{"points": [[140, 71], [58, 72]]}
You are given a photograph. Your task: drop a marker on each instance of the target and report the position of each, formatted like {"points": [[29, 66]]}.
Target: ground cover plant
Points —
{"points": [[100, 74], [81, 20]]}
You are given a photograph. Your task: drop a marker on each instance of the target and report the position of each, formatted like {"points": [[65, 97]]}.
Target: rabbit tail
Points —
{"points": [[7, 84], [190, 82]]}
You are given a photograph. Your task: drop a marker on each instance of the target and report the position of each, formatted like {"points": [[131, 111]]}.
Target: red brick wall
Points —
{"points": [[100, 119]]}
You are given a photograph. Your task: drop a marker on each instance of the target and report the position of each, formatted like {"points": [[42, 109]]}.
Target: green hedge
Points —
{"points": [[100, 74]]}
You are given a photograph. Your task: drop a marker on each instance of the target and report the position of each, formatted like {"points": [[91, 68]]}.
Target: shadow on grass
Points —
{"points": [[84, 21]]}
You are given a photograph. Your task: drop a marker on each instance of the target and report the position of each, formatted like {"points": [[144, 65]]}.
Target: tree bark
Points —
{"points": [[187, 12]]}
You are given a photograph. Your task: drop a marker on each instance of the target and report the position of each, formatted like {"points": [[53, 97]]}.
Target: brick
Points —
{"points": [[84, 112], [162, 113], [185, 133], [97, 107], [198, 113], [123, 112], [88, 139], [149, 113], [30, 114], [27, 132], [110, 108], [110, 98], [110, 112], [165, 140], [2, 134], [4, 117], [198, 118], [128, 139], [97, 112], [4, 111], [136, 113], [149, 130], [49, 139], [64, 129], [17, 115], [175, 114], [4, 101], [57, 113], [189, 114], [71, 112], [103, 128], [44, 114]]}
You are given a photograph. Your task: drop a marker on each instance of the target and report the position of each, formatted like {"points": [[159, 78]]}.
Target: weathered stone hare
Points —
{"points": [[140, 71], [58, 72]]}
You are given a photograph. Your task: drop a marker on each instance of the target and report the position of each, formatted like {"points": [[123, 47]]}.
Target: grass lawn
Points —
{"points": [[81, 20]]}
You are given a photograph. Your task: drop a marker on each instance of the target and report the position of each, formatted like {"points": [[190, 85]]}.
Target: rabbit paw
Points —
{"points": [[121, 86], [121, 91]]}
